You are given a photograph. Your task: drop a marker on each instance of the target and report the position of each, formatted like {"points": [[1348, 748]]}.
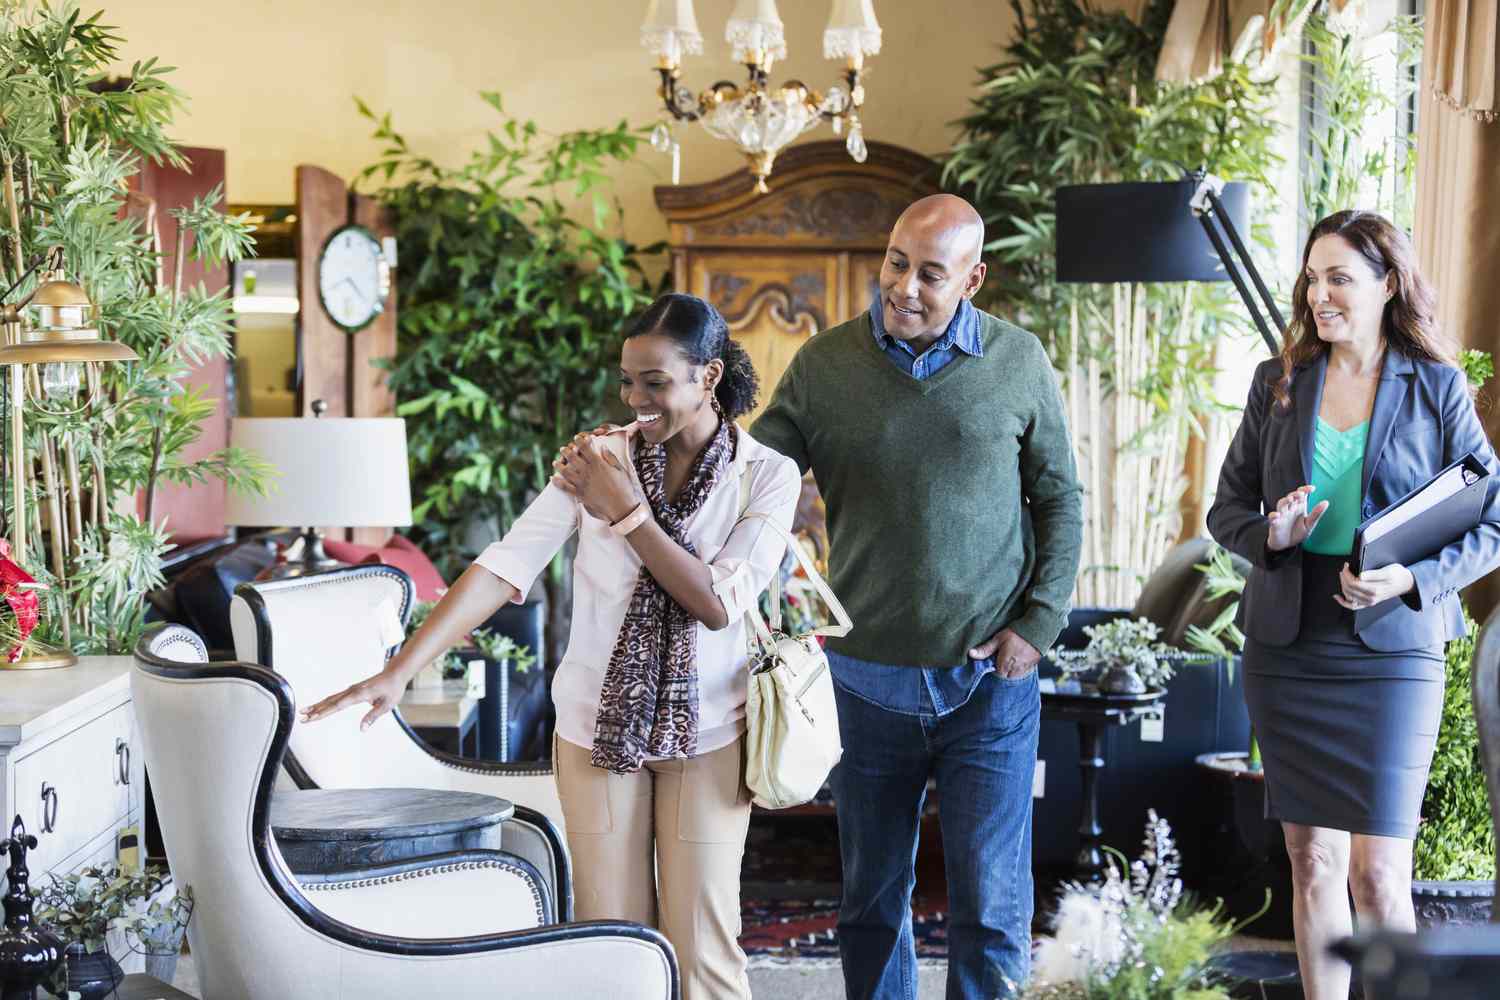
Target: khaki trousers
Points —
{"points": [[663, 847]]}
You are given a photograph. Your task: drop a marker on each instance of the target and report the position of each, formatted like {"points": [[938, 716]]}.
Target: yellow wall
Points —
{"points": [[272, 82]]}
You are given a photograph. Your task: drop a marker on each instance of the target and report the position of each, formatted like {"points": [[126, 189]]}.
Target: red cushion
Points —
{"points": [[399, 552]]}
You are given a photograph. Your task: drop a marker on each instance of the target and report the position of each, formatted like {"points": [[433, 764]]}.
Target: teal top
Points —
{"points": [[1338, 466]]}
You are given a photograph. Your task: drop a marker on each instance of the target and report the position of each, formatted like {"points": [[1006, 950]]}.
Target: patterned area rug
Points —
{"points": [[795, 930]]}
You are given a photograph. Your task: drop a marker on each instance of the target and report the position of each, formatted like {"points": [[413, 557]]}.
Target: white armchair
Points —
{"points": [[325, 631], [468, 924]]}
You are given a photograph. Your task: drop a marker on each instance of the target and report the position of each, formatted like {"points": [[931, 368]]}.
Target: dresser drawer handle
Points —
{"points": [[122, 761], [49, 808]]}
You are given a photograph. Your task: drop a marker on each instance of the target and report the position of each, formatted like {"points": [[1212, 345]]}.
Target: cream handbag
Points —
{"points": [[791, 720]]}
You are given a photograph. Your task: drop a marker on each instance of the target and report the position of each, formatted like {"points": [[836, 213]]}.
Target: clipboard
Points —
{"points": [[1420, 524]]}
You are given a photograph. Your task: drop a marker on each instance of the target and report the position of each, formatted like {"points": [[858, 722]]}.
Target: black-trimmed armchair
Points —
{"points": [[325, 631], [466, 924]]}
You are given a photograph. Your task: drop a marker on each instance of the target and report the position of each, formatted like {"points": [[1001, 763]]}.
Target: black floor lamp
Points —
{"points": [[1161, 231]]}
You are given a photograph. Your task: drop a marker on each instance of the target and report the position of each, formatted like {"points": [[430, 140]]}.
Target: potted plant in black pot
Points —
{"points": [[1453, 862], [1124, 656], [83, 907]]}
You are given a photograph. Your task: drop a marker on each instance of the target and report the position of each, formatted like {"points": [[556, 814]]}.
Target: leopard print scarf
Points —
{"points": [[649, 703]]}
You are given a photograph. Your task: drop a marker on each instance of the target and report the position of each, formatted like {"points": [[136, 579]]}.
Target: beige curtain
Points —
{"points": [[1457, 227], [1202, 33], [1461, 39]]}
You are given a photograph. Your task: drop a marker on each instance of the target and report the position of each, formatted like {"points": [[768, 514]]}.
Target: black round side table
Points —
{"points": [[325, 831]]}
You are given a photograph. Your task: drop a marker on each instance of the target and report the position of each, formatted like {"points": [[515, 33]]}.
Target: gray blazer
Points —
{"points": [[1422, 422]]}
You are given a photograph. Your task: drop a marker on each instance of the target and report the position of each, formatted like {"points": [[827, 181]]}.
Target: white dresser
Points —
{"points": [[70, 762]]}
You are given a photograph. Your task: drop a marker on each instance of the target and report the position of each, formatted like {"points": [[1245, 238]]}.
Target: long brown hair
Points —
{"points": [[1410, 320]]}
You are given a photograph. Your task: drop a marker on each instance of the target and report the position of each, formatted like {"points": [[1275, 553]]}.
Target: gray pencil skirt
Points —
{"points": [[1346, 733]]}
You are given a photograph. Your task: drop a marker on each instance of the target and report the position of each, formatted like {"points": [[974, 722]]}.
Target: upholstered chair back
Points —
{"points": [[323, 633], [326, 631], [207, 741], [466, 924]]}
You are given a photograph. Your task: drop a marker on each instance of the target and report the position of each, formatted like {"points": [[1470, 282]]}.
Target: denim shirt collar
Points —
{"points": [[962, 332]]}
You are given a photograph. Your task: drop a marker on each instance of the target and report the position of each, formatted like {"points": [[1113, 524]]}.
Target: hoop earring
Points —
{"points": [[713, 400]]}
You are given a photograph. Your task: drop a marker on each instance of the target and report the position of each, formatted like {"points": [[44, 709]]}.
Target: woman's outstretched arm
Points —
{"points": [[470, 601]]}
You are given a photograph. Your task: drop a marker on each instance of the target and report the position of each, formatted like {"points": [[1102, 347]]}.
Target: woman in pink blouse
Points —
{"points": [[650, 695]]}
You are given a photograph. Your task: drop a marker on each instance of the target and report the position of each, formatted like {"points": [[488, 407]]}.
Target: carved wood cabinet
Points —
{"points": [[785, 265]]}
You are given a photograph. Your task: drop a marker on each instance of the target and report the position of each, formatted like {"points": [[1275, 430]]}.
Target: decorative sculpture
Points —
{"points": [[28, 954]]}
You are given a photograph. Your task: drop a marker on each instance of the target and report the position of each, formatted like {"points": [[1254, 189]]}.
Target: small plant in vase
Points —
{"points": [[1123, 656], [157, 932], [83, 907], [453, 665]]}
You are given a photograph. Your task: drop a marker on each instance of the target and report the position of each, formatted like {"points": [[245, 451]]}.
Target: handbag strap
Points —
{"points": [[752, 613], [819, 584]]}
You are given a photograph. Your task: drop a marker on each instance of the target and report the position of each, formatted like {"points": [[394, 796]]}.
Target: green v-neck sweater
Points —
{"points": [[954, 508]]}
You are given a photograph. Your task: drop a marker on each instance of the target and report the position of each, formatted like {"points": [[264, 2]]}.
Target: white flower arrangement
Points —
{"points": [[1131, 937]]}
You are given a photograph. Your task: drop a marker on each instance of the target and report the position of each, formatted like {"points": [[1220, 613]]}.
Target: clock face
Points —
{"points": [[351, 277]]}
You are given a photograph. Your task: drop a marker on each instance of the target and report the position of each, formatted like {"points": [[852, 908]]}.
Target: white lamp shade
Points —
{"points": [[755, 26], [670, 29], [852, 29], [344, 473]]}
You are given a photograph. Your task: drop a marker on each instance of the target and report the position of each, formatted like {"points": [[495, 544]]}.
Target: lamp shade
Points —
{"points": [[1140, 232], [346, 473], [670, 29], [755, 26], [852, 30]]}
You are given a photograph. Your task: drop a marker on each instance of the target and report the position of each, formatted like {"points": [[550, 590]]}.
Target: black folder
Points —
{"points": [[1398, 535]]}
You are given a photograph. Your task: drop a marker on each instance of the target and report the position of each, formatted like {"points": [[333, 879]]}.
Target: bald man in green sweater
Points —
{"points": [[937, 437]]}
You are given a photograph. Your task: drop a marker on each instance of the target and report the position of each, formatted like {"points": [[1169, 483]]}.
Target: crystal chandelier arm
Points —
{"points": [[671, 95], [851, 100]]}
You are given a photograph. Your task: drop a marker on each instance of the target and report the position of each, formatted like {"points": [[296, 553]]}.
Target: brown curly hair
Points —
{"points": [[1410, 321]]}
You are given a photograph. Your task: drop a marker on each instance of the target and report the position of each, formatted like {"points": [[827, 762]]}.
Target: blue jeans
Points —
{"points": [[983, 755]]}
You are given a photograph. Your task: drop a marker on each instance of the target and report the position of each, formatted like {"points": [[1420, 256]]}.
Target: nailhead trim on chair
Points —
{"points": [[308, 583], [171, 637], [541, 772], [536, 896]]}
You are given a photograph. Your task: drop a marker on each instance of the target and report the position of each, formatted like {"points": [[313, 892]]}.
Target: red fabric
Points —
{"points": [[23, 601], [398, 551]]}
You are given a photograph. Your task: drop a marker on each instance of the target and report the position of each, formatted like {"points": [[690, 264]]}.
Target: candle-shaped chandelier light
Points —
{"points": [[757, 119]]}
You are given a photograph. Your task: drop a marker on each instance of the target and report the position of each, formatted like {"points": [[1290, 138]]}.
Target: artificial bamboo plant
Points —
{"points": [[1075, 100], [70, 142]]}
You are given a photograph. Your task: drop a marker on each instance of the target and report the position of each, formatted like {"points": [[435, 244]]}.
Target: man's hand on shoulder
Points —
{"points": [[1014, 656]]}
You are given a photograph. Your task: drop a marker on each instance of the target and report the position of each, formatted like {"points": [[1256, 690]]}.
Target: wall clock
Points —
{"points": [[354, 277]]}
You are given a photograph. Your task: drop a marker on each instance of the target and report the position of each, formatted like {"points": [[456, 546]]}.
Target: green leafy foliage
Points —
{"points": [[70, 148], [1478, 366], [1456, 838], [511, 314], [1349, 94], [1080, 85], [492, 644], [1222, 637], [83, 906], [1127, 642]]}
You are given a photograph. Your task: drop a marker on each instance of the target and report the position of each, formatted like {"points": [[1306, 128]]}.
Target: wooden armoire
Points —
{"points": [[783, 266]]}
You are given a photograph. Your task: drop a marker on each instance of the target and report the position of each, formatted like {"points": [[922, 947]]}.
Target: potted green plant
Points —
{"points": [[1453, 860], [1123, 656], [454, 665], [157, 932], [84, 906]]}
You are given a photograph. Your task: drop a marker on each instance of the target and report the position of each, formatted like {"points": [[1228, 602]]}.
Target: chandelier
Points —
{"points": [[757, 119]]}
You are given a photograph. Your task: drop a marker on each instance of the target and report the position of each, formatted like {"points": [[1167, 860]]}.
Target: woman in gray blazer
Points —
{"points": [[1365, 403]]}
